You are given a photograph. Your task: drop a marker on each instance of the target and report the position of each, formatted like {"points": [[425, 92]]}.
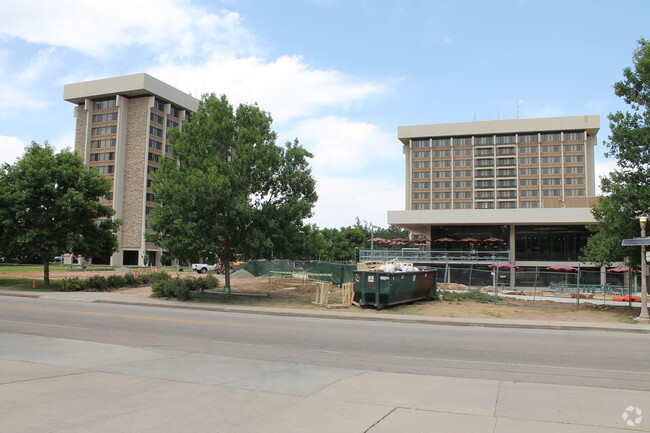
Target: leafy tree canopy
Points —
{"points": [[231, 190], [49, 205], [627, 188]]}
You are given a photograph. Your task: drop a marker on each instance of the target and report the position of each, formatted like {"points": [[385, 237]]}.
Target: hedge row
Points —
{"points": [[99, 283], [180, 288]]}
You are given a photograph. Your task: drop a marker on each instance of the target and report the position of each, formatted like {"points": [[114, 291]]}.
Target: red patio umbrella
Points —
{"points": [[622, 269], [445, 240], [399, 240], [493, 240], [379, 240], [421, 240], [469, 240], [562, 268], [504, 265]]}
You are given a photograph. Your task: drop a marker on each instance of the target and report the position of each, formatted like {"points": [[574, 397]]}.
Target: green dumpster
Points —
{"points": [[383, 289]]}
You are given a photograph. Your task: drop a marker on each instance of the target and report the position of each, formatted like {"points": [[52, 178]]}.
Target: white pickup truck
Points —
{"points": [[202, 268]]}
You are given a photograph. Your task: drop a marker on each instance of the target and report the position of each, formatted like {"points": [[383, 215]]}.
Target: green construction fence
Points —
{"points": [[331, 272]]}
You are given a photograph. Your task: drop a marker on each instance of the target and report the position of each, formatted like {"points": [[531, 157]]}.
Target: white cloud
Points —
{"points": [[174, 27], [287, 87], [342, 146], [11, 148], [602, 169]]}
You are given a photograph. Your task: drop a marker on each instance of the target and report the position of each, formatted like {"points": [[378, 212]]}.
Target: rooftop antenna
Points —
{"points": [[517, 108]]}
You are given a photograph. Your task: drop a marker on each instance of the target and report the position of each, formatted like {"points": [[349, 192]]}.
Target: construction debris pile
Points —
{"points": [[390, 266]]}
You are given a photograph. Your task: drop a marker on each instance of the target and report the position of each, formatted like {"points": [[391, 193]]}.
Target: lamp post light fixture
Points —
{"points": [[644, 318]]}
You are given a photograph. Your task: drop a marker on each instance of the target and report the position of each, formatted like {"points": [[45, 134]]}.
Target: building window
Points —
{"points": [[507, 183], [484, 162], [574, 170], [575, 158], [528, 204], [504, 151], [507, 194], [104, 130], [104, 156], [174, 111], [463, 194], [154, 157], [574, 136], [551, 137], [484, 152], [574, 192], [443, 205], [155, 131], [484, 141], [462, 163], [507, 204], [421, 206], [485, 173], [463, 184], [529, 138], [104, 169], [421, 185], [441, 142], [420, 143], [551, 149], [101, 104], [574, 147], [421, 164], [106, 117], [463, 173], [156, 118], [529, 193], [507, 172], [168, 148], [442, 163], [463, 152], [462, 141], [506, 139], [528, 182], [442, 194], [463, 205], [528, 171], [503, 162], [442, 174], [97, 144], [484, 205], [421, 154], [552, 170], [441, 153], [155, 144], [551, 159], [159, 105], [150, 197], [421, 175], [484, 184], [552, 192], [552, 181], [151, 169], [528, 160], [421, 195], [441, 185], [484, 194], [574, 181], [528, 149]]}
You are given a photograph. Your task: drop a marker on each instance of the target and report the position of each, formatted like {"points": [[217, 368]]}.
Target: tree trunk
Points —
{"points": [[226, 272], [46, 271]]}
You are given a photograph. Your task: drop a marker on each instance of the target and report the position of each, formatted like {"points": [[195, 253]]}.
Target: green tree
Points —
{"points": [[49, 205], [627, 188], [231, 190]]}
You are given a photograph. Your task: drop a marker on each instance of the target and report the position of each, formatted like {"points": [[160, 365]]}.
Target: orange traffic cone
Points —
{"points": [[33, 284]]}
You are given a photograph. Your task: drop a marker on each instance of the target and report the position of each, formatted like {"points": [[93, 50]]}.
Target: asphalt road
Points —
{"points": [[589, 358]]}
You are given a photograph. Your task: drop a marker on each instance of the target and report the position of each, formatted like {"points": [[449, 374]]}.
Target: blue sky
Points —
{"points": [[338, 75]]}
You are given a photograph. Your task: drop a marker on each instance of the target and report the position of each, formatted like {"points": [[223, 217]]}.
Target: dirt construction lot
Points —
{"points": [[297, 293]]}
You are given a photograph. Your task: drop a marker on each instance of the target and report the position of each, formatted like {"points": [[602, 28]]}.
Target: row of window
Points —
{"points": [[505, 183], [97, 144], [500, 162], [499, 151], [502, 172], [106, 117], [510, 204], [499, 139], [103, 156]]}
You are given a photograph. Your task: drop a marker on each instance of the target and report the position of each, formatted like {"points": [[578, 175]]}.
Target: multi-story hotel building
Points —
{"points": [[121, 130], [528, 182]]}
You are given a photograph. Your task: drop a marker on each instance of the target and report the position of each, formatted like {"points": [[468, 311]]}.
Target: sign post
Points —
{"points": [[644, 317]]}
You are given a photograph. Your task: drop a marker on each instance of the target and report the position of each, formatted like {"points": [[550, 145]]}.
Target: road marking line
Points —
{"points": [[123, 316]]}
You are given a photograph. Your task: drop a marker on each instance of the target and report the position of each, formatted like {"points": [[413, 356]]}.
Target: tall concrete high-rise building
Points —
{"points": [[527, 183], [121, 131]]}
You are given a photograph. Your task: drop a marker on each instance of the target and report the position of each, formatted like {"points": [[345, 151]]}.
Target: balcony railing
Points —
{"points": [[408, 255]]}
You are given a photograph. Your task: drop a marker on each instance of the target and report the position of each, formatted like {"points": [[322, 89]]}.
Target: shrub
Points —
{"points": [[130, 280], [472, 295], [209, 282], [162, 289], [115, 281], [96, 282], [71, 285], [171, 288], [159, 276]]}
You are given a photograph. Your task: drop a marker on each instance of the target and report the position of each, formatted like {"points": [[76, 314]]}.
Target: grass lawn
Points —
{"points": [[9, 283]]}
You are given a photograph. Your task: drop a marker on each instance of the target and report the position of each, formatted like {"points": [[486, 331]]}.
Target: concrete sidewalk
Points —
{"points": [[54, 385], [349, 314]]}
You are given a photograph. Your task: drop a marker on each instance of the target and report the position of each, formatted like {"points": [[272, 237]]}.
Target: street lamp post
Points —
{"points": [[644, 318]]}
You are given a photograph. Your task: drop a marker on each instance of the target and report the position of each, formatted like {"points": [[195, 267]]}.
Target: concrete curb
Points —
{"points": [[288, 312]]}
